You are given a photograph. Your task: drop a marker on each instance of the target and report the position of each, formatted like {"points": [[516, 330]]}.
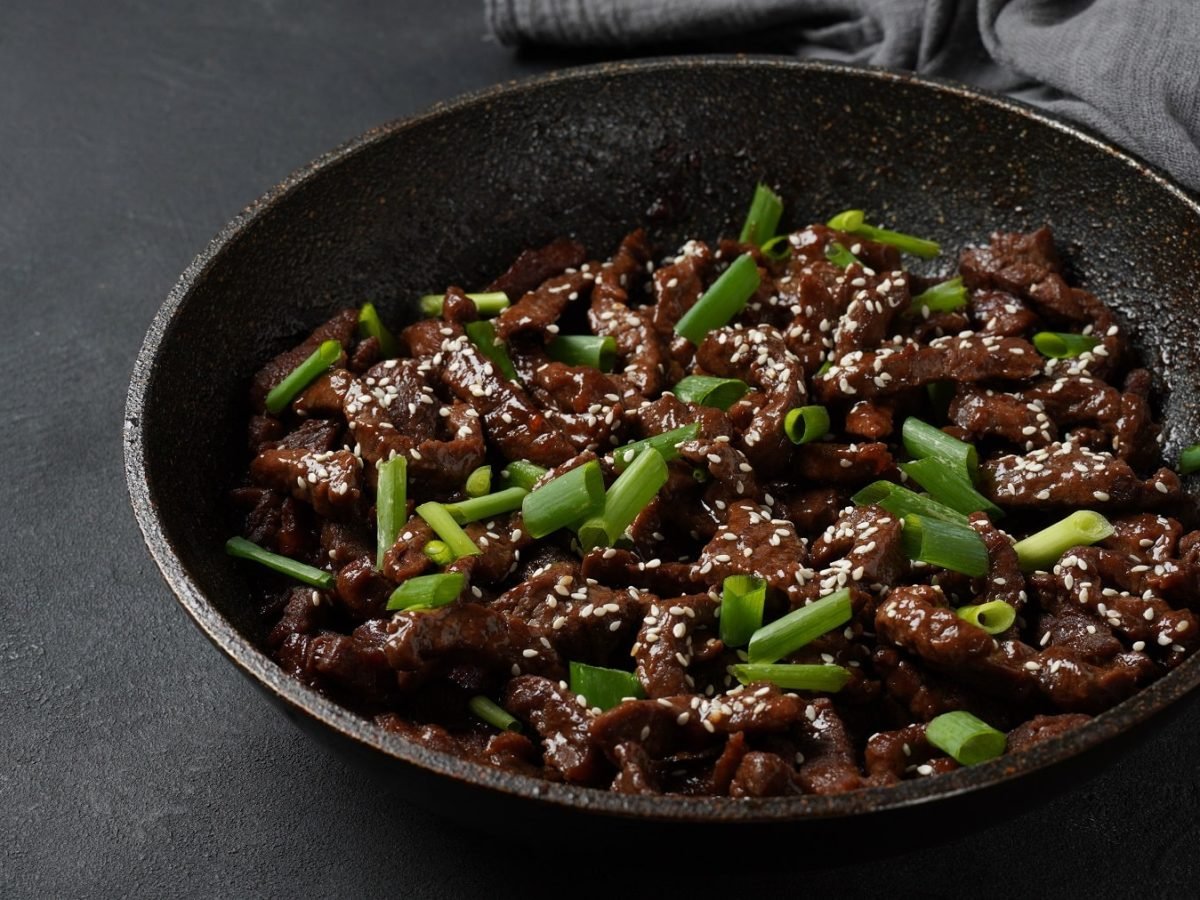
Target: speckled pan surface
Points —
{"points": [[453, 195]]}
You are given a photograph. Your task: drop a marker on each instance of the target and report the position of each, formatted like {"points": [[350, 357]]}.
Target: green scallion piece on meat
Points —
{"points": [[840, 256], [1061, 345], [722, 301], [604, 688], [391, 505], [439, 519], [584, 350], [571, 497], [1189, 460], [483, 335], [993, 617], [853, 221], [625, 499], [949, 545], [370, 325], [488, 304], [476, 509], [479, 482], [427, 591], [439, 552], [493, 713], [778, 255], [945, 297], [742, 600], [302, 376], [948, 486], [900, 501], [805, 424], [799, 627], [706, 390], [763, 219], [968, 739], [827, 679], [523, 474], [922, 439], [310, 575], [667, 444], [1043, 549]]}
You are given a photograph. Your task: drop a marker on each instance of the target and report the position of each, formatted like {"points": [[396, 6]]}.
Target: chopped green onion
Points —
{"points": [[479, 482], [922, 439], [628, 496], [523, 474], [667, 444], [310, 575], [840, 256], [947, 486], [853, 221], [370, 325], [1079, 529], [493, 713], [439, 552], [584, 350], [1060, 345], [705, 390], [769, 251], [489, 304], [303, 375], [900, 501], [391, 505], [794, 676], [799, 627], [1189, 460], [824, 367], [742, 599], [444, 526], [968, 739], [993, 617], [945, 297], [483, 336], [806, 424], [701, 475], [763, 218], [568, 498], [602, 687], [722, 301], [427, 591], [488, 506], [950, 545]]}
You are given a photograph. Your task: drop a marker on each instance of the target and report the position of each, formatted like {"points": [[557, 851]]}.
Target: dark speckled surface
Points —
{"points": [[138, 760]]}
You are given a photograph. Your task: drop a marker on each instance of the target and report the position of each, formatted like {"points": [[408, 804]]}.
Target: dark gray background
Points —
{"points": [[133, 758]]}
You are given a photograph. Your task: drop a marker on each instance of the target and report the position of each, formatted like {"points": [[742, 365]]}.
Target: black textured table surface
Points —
{"points": [[136, 761]]}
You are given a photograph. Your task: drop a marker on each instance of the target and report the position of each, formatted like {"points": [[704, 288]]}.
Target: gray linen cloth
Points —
{"points": [[1130, 69]]}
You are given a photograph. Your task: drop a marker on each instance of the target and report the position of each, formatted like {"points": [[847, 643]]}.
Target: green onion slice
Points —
{"points": [[805, 424], [489, 304], [584, 350], [794, 676], [769, 251], [1080, 529], [475, 509], [922, 439], [968, 739], [900, 501], [853, 222], [1189, 460], [604, 688], [799, 627], [302, 376], [493, 713], [310, 575], [945, 297], [947, 486], [993, 617], [628, 496], [479, 482], [950, 545], [427, 591], [370, 325], [763, 218], [840, 256], [444, 526], [742, 599], [483, 336], [705, 390], [523, 474], [439, 552], [722, 301], [572, 496], [391, 505], [1060, 345], [667, 444]]}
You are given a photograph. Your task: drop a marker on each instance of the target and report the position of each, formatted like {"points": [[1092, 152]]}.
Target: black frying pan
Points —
{"points": [[677, 145]]}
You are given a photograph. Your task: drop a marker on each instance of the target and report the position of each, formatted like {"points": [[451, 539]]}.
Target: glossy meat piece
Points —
{"points": [[532, 267], [329, 481], [561, 723], [664, 648], [341, 328]]}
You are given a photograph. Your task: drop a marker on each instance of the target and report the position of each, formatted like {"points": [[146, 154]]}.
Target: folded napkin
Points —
{"points": [[1128, 68]]}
